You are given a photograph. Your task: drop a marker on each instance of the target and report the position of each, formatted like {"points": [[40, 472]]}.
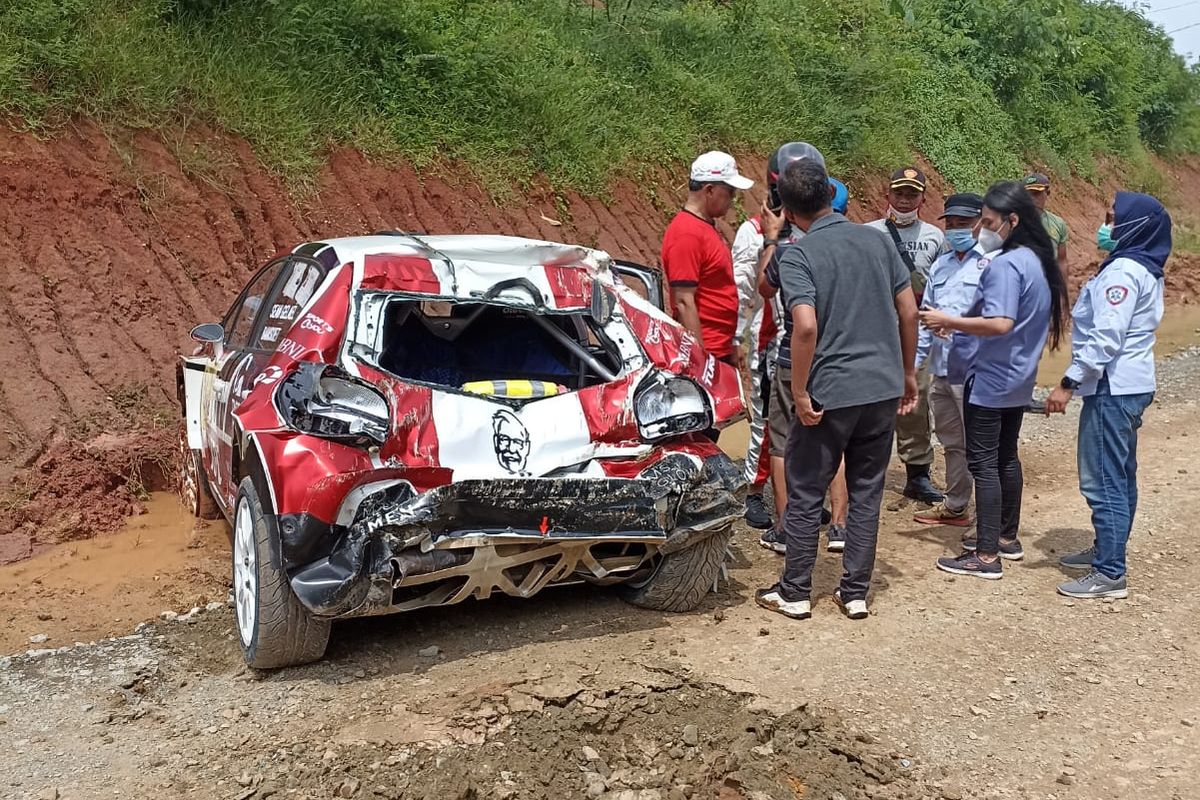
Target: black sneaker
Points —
{"points": [[757, 515], [1011, 551], [920, 487], [837, 539], [773, 540], [973, 565]]}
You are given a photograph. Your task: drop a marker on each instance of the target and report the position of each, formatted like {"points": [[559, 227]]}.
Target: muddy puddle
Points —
{"points": [[1180, 329], [89, 589]]}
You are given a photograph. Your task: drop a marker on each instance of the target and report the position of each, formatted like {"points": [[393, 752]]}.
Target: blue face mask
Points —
{"points": [[1104, 239], [961, 239]]}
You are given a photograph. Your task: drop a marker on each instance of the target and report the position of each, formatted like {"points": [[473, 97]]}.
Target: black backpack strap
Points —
{"points": [[895, 232], [918, 280]]}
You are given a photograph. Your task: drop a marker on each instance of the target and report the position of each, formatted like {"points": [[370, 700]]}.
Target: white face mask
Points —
{"points": [[902, 218], [991, 240]]}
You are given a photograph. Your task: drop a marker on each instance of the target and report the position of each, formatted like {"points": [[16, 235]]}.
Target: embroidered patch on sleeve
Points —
{"points": [[1116, 295]]}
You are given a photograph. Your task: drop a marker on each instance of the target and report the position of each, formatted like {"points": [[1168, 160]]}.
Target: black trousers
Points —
{"points": [[863, 435], [992, 435]]}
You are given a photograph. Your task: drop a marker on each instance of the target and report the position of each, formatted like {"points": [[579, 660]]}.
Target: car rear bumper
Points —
{"points": [[398, 549]]}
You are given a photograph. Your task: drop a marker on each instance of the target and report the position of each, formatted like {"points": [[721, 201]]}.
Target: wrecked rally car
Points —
{"points": [[395, 421]]}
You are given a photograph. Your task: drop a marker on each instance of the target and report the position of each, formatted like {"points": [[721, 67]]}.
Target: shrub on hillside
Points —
{"points": [[581, 92]]}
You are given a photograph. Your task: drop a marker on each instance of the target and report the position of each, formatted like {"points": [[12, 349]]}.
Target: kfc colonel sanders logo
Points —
{"points": [[511, 440]]}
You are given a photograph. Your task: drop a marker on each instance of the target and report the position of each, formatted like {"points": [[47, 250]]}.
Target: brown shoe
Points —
{"points": [[940, 514]]}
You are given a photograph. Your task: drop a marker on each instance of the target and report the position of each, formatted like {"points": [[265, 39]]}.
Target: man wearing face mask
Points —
{"points": [[953, 284], [919, 244], [1116, 320]]}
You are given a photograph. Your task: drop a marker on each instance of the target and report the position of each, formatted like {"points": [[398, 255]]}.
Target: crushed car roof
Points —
{"points": [[465, 266]]}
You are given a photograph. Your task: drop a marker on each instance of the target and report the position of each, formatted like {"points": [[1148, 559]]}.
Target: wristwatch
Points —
{"points": [[1069, 383], [770, 242]]}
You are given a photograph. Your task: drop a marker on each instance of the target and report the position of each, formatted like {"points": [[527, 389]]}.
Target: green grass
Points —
{"points": [[1186, 235], [582, 94]]}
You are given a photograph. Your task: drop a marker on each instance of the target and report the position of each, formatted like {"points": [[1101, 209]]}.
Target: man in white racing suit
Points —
{"points": [[757, 326]]}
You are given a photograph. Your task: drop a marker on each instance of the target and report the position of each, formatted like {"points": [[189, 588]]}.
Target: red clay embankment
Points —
{"points": [[113, 246]]}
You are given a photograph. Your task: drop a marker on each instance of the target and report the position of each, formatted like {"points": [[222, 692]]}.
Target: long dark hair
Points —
{"points": [[1010, 197]]}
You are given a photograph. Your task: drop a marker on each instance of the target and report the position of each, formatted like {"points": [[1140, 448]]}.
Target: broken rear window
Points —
{"points": [[458, 344]]}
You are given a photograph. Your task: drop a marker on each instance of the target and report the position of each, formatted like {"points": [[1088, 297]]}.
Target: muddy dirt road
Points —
{"points": [[952, 688]]}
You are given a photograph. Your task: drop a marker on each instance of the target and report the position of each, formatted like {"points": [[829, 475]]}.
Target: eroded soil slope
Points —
{"points": [[114, 244]]}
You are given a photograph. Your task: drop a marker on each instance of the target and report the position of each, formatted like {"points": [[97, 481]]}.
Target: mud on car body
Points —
{"points": [[392, 422]]}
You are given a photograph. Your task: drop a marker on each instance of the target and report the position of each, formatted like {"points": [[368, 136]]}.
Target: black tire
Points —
{"points": [[193, 484], [680, 580], [281, 632]]}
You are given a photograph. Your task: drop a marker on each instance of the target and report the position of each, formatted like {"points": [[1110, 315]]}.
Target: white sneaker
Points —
{"points": [[771, 600], [855, 609]]}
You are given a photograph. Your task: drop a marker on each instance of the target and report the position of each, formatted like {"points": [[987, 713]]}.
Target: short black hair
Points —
{"points": [[804, 187]]}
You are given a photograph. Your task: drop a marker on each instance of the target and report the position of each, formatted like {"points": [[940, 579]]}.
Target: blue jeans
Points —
{"points": [[1108, 436]]}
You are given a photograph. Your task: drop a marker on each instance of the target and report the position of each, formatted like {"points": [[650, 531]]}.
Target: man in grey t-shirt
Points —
{"points": [[853, 347], [919, 244]]}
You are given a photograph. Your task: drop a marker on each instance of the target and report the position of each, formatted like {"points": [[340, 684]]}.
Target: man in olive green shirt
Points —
{"points": [[1038, 185]]}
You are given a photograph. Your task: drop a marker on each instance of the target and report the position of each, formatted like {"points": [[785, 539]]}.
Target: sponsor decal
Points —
{"points": [[710, 370], [284, 311], [312, 322], [1116, 295], [654, 332], [300, 285], [510, 438], [268, 376], [684, 356], [271, 334], [291, 349]]}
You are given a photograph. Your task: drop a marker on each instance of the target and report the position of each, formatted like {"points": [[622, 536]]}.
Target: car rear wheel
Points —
{"points": [[680, 580], [274, 628], [193, 485]]}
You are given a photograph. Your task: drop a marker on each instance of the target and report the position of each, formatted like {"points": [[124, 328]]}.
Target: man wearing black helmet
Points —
{"points": [[853, 354], [781, 411]]}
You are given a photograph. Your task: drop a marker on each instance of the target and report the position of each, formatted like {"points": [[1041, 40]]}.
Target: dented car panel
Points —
{"points": [[393, 486]]}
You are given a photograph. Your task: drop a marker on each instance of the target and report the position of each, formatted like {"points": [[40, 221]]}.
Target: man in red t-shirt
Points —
{"points": [[697, 261]]}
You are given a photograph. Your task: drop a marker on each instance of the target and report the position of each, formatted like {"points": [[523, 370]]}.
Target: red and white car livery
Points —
{"points": [[398, 421]]}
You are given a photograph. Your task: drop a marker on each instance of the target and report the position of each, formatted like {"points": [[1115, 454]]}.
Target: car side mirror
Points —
{"points": [[209, 333]]}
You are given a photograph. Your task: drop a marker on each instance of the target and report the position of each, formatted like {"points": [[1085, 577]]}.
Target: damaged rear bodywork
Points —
{"points": [[428, 419], [405, 550]]}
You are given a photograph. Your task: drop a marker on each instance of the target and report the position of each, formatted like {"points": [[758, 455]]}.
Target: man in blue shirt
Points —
{"points": [[953, 284], [1112, 367]]}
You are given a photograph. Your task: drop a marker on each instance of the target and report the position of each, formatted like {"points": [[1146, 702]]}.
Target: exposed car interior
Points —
{"points": [[462, 344]]}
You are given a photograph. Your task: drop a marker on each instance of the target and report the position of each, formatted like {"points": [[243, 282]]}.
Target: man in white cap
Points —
{"points": [[697, 261]]}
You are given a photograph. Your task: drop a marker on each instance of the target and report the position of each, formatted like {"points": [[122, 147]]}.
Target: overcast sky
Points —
{"points": [[1173, 15]]}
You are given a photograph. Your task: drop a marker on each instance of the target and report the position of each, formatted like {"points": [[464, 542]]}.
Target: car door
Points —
{"points": [[289, 284], [232, 361], [643, 280]]}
